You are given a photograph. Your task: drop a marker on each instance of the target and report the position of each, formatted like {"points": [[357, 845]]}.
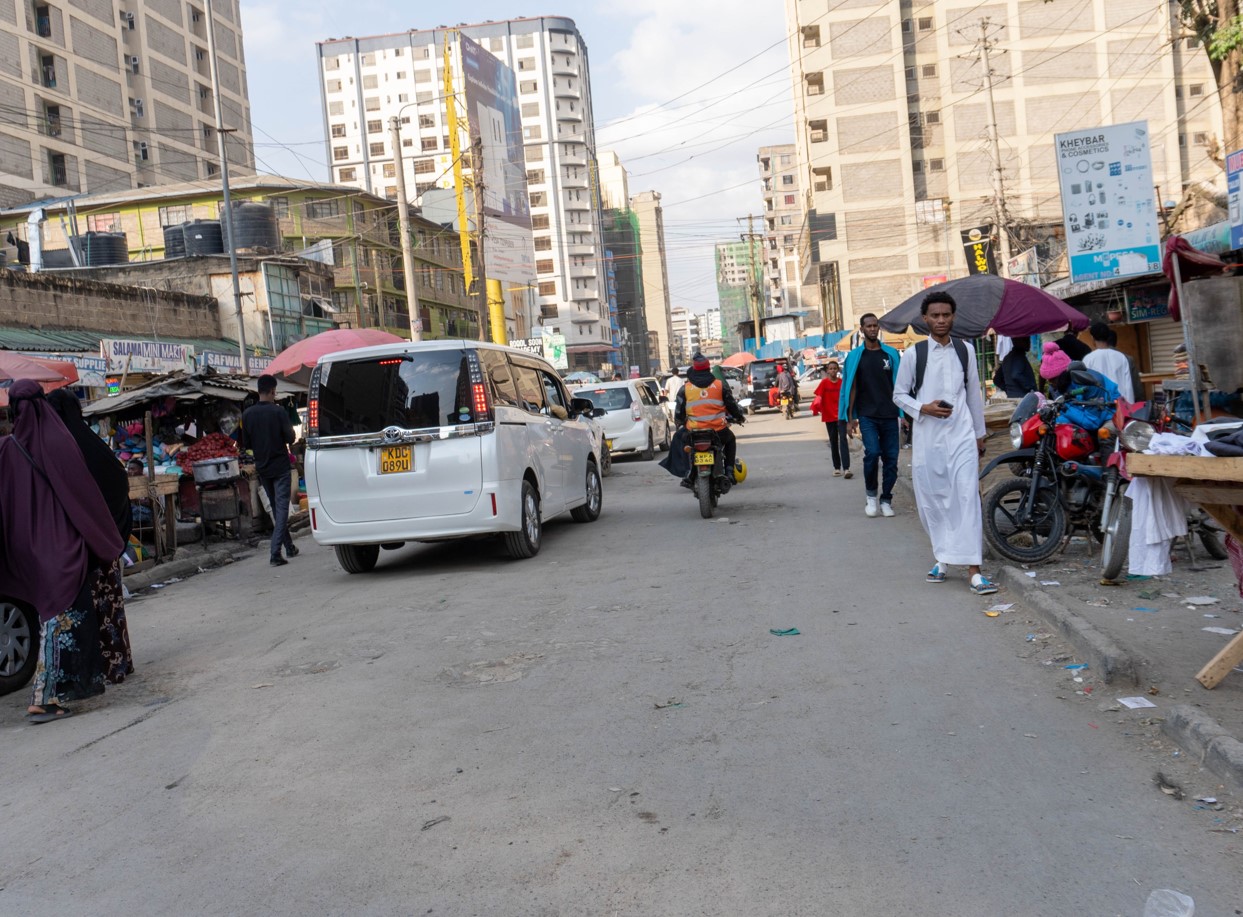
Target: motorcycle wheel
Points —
{"points": [[1038, 537], [703, 490], [1211, 540], [1117, 543]]}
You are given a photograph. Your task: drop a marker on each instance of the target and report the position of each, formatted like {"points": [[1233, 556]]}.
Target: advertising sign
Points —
{"points": [[232, 362], [933, 279], [1025, 268], [1234, 169], [145, 356], [491, 94], [554, 351], [1148, 302], [977, 243], [530, 345], [1108, 202]]}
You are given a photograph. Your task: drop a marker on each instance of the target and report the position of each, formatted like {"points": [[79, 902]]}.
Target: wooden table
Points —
{"points": [[160, 489], [1216, 484]]}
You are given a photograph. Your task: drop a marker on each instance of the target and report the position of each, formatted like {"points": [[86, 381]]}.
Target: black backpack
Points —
{"points": [[921, 363]]}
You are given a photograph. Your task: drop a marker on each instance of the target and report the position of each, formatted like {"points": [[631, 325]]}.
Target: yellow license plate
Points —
{"points": [[396, 459], [608, 443], [705, 458]]}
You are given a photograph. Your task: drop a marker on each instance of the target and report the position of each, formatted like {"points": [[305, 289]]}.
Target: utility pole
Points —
{"points": [[476, 171], [754, 280], [224, 181], [999, 200], [403, 220]]}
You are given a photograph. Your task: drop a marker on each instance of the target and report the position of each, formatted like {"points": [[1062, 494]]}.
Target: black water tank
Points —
{"points": [[174, 241], [100, 248], [256, 226], [203, 237]]}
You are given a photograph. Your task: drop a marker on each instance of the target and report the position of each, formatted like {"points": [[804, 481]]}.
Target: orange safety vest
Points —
{"points": [[705, 407]]}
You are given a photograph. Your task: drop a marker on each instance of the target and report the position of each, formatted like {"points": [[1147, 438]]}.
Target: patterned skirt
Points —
{"points": [[70, 665], [109, 600]]}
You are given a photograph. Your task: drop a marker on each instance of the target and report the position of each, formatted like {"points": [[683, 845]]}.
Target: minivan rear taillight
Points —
{"points": [[312, 406], [636, 411], [481, 403]]}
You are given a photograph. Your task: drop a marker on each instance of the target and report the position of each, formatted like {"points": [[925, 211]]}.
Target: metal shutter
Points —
{"points": [[1163, 336]]}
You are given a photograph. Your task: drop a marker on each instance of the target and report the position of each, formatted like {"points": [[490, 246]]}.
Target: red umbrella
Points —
{"points": [[740, 359], [296, 362], [50, 374]]}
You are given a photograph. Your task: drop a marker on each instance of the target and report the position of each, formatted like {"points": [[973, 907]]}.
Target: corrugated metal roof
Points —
{"points": [[52, 340]]}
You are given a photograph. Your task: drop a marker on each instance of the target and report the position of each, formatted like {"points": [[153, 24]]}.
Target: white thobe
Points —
{"points": [[945, 461], [1114, 366]]}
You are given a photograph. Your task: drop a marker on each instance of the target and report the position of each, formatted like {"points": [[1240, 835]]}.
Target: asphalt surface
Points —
{"points": [[608, 728]]}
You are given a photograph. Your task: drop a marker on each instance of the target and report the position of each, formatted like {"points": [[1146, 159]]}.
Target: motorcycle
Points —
{"points": [[709, 478], [1139, 423], [787, 406], [1058, 481]]}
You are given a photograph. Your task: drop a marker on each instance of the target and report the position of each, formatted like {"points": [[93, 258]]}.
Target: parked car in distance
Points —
{"points": [[633, 419], [19, 645], [736, 379], [437, 440], [808, 381]]}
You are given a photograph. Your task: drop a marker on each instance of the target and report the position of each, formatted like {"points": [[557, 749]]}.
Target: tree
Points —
{"points": [[1219, 27]]}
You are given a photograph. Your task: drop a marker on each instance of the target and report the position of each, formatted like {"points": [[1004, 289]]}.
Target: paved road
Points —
{"points": [[459, 734]]}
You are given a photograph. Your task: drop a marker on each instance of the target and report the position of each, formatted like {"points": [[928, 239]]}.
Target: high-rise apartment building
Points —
{"points": [[102, 96], [656, 302], [784, 225], [686, 335], [614, 182], [737, 267], [621, 241], [366, 81], [892, 123], [710, 328]]}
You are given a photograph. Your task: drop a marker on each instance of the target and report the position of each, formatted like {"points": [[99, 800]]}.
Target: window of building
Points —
{"points": [[136, 108], [402, 97], [372, 103], [818, 130], [103, 222], [526, 64], [424, 166], [1195, 90], [787, 180], [822, 178], [790, 200], [390, 170], [338, 130], [367, 60], [528, 86], [349, 174], [399, 52], [371, 81], [1182, 140], [212, 169], [548, 288], [928, 70], [535, 177], [375, 127], [141, 153], [525, 41], [932, 117], [421, 53], [333, 85], [336, 109], [811, 36], [917, 166], [530, 109], [376, 149], [390, 192], [910, 74], [787, 220], [532, 132], [936, 165], [544, 266], [543, 243], [925, 23], [280, 205], [535, 153], [322, 209], [340, 152], [332, 63], [907, 25], [814, 84], [539, 221], [427, 120], [1200, 138], [428, 144], [496, 44]]}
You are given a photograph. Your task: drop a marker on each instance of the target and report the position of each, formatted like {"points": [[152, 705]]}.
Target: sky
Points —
{"points": [[685, 91]]}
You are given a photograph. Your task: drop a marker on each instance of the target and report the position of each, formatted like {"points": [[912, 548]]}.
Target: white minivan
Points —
{"points": [[443, 439]]}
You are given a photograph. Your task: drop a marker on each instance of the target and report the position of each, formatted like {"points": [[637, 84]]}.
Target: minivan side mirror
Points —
{"points": [[580, 406]]}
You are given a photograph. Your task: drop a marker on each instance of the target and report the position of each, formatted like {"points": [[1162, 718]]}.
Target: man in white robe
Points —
{"points": [[948, 413]]}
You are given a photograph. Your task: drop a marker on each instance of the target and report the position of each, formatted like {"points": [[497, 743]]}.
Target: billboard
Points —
{"points": [[1234, 169], [495, 124], [977, 244], [1108, 204]]}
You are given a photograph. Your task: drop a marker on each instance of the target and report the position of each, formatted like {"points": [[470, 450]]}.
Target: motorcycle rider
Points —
{"points": [[705, 402], [786, 384], [1056, 369]]}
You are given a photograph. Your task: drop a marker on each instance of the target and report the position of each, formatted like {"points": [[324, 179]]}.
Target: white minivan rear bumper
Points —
{"points": [[498, 510]]}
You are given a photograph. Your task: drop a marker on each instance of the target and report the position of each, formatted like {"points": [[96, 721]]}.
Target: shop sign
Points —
{"points": [[554, 351], [977, 243], [530, 345], [933, 280], [232, 362], [1025, 268], [1234, 175], [91, 370], [145, 356], [1147, 303], [1108, 201]]}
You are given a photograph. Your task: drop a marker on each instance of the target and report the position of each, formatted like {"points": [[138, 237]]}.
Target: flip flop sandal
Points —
{"points": [[50, 714]]}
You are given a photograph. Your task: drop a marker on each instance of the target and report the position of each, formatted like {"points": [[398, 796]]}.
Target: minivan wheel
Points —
{"points": [[357, 558], [526, 541], [590, 511], [19, 646]]}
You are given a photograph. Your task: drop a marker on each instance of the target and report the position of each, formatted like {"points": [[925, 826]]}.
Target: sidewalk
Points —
{"points": [[1138, 637]]}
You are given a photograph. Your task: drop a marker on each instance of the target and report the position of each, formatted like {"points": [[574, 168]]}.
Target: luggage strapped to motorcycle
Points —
{"points": [[921, 363]]}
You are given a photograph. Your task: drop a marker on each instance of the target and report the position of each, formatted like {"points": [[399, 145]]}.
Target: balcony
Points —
{"points": [[578, 182], [564, 64], [566, 89], [565, 115], [582, 251], [583, 203], [583, 271], [579, 315], [591, 295], [572, 154]]}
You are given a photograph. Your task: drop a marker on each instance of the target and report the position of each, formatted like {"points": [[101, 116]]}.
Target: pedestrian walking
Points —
{"points": [[1014, 374], [673, 385], [113, 482], [938, 386], [1110, 363], [267, 432], [56, 536], [829, 391], [867, 405]]}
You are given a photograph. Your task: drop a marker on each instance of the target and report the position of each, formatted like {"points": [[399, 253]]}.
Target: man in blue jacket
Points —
{"points": [[867, 404]]}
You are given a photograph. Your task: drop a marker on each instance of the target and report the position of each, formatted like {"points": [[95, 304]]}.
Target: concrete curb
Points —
{"points": [[183, 567], [1109, 661], [1201, 735]]}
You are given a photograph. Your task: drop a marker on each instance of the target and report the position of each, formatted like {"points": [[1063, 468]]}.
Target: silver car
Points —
{"points": [[633, 420]]}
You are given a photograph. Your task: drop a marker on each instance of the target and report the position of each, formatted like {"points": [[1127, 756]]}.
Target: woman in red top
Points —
{"points": [[829, 392]]}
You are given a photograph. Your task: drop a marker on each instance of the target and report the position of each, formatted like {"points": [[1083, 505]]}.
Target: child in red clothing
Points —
{"points": [[829, 392]]}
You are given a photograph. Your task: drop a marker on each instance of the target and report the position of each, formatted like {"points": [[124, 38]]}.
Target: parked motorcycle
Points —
{"points": [[709, 478], [1057, 484]]}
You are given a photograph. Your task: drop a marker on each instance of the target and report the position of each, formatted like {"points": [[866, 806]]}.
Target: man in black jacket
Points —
{"points": [[700, 377], [268, 433]]}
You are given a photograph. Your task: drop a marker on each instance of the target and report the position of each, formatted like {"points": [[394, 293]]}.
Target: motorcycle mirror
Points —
{"points": [[1082, 377]]}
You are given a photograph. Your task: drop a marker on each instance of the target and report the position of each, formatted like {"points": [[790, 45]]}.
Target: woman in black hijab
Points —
{"points": [[113, 482]]}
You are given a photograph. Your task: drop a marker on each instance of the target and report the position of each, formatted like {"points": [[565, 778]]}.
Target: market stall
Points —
{"points": [[1215, 484]]}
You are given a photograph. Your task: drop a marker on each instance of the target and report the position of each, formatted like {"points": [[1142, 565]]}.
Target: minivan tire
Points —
{"points": [[590, 511], [357, 558], [19, 645], [526, 541]]}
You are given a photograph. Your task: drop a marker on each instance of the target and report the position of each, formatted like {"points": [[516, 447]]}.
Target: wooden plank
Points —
{"points": [[1222, 664], [1210, 492], [1194, 467]]}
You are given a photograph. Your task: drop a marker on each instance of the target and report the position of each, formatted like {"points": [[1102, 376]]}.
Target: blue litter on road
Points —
{"points": [[1151, 611], [1076, 667], [787, 632]]}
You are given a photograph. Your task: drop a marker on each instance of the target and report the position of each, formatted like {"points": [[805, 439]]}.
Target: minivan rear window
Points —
{"points": [[611, 399], [412, 391], [763, 371]]}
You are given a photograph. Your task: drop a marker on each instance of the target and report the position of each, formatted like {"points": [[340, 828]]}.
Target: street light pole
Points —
{"points": [[224, 182], [407, 246]]}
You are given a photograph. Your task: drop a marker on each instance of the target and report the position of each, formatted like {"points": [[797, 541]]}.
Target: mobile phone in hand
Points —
{"points": [[946, 405]]}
